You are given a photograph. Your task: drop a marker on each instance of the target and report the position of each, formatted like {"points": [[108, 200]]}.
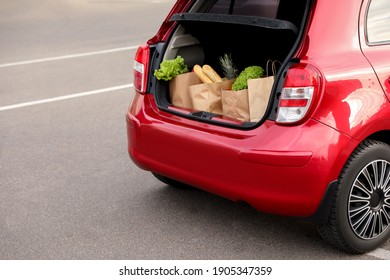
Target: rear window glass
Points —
{"points": [[264, 8], [378, 22], [289, 10]]}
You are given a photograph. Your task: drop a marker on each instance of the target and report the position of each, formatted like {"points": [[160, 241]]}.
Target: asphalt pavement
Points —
{"points": [[68, 188]]}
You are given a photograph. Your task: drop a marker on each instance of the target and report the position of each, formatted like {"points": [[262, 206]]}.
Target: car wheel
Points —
{"points": [[360, 216], [171, 182]]}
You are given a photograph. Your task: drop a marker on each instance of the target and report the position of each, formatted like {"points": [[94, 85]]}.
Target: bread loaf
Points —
{"points": [[200, 73], [210, 72]]}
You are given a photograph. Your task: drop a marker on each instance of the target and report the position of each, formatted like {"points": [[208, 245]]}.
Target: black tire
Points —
{"points": [[171, 182], [359, 221]]}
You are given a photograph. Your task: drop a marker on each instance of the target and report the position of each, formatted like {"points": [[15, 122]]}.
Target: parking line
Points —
{"points": [[380, 254], [64, 97], [47, 59]]}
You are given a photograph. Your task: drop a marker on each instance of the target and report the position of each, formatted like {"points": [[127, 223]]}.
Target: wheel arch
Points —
{"points": [[322, 213], [357, 231], [383, 136]]}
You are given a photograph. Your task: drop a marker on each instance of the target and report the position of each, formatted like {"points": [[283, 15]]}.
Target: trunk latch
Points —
{"points": [[204, 115]]}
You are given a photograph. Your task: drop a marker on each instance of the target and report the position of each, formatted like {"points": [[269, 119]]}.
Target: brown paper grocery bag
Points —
{"points": [[207, 97], [235, 104], [178, 89], [248, 104], [259, 91]]}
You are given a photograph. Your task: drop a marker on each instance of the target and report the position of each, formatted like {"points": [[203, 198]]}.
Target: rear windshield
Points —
{"points": [[289, 10], [265, 8]]}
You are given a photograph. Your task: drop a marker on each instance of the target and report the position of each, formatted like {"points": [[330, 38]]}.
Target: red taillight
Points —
{"points": [[300, 88], [293, 103], [141, 68]]}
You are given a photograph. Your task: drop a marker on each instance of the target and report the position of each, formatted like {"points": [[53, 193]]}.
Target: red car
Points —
{"points": [[321, 148]]}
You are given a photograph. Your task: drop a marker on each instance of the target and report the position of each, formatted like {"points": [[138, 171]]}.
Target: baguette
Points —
{"points": [[202, 76], [210, 72]]}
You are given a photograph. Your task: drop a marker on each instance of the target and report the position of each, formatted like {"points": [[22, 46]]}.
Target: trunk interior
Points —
{"points": [[208, 31]]}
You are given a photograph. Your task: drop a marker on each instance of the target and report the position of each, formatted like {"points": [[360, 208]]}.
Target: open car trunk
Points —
{"points": [[251, 32]]}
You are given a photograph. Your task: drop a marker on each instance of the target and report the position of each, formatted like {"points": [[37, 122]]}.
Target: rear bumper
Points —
{"points": [[276, 169]]}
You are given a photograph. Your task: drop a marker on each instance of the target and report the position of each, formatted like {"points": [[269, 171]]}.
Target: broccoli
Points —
{"points": [[251, 72], [169, 69]]}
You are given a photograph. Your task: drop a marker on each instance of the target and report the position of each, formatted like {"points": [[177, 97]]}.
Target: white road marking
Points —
{"points": [[47, 59], [380, 254], [64, 97]]}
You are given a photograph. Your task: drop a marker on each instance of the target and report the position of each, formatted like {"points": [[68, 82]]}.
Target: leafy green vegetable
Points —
{"points": [[170, 68], [251, 72]]}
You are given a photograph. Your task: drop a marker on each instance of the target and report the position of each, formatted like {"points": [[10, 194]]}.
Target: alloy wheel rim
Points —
{"points": [[369, 200]]}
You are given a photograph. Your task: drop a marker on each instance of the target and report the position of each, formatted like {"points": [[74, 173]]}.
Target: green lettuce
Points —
{"points": [[170, 68], [251, 72]]}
